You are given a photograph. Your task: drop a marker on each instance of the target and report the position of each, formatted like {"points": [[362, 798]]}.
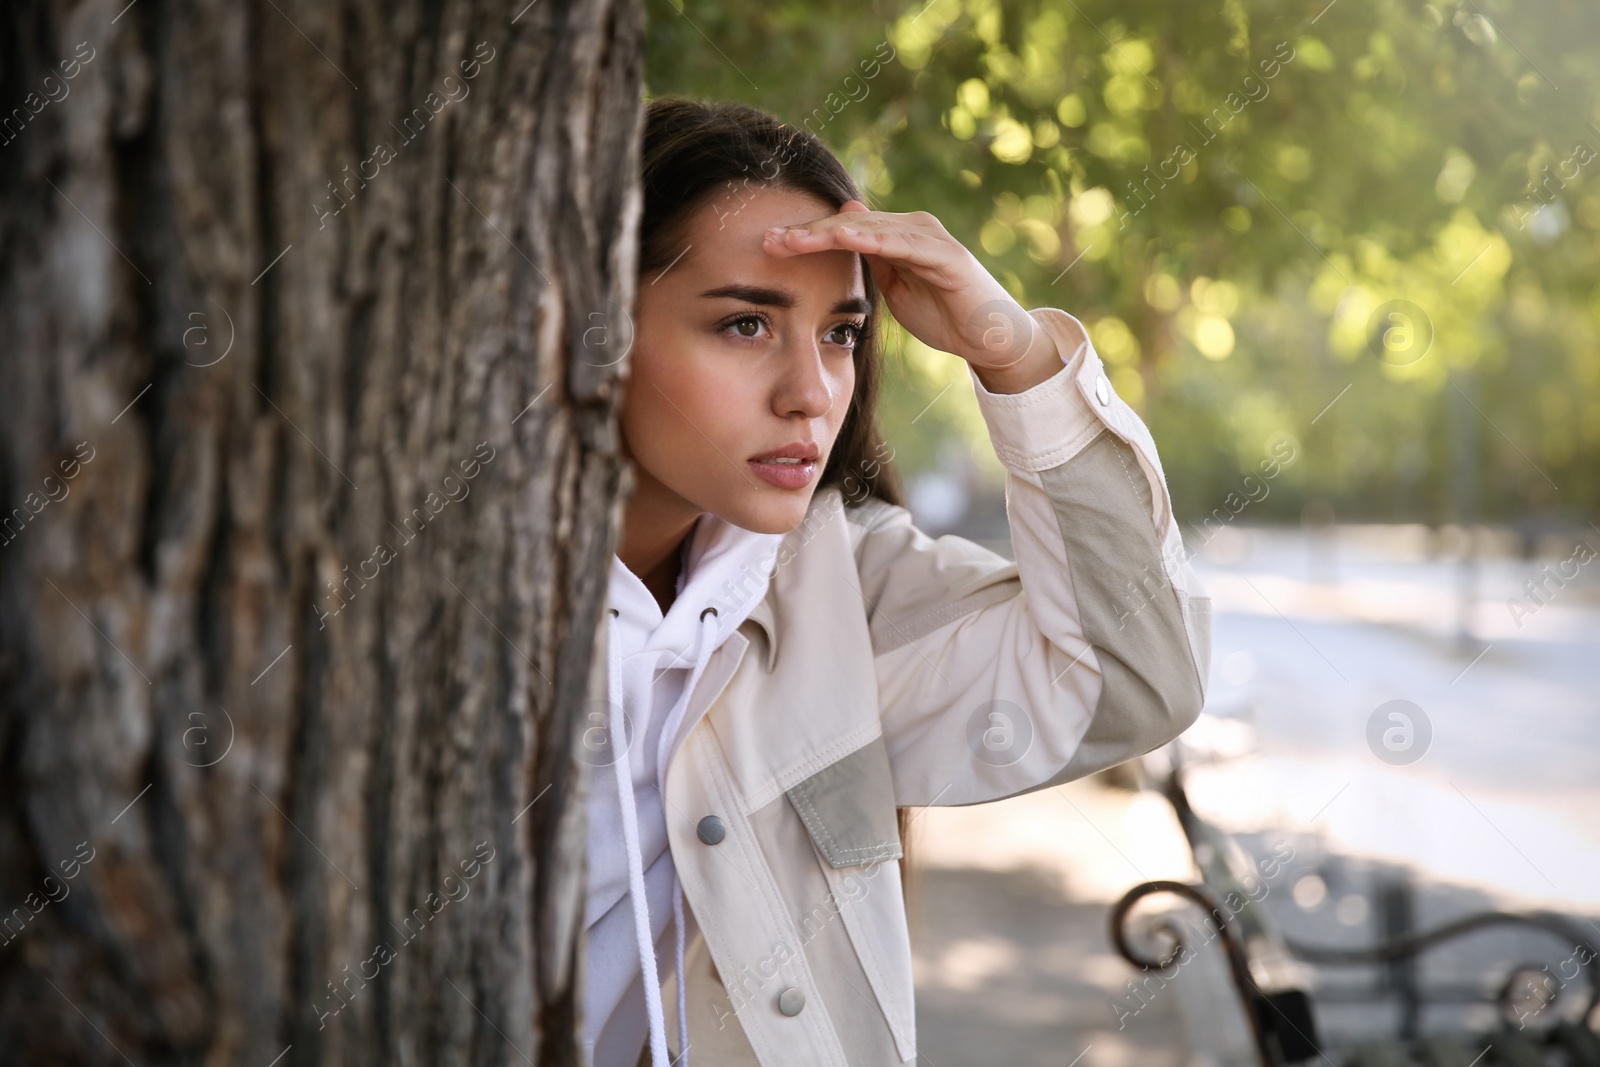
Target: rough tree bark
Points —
{"points": [[309, 477]]}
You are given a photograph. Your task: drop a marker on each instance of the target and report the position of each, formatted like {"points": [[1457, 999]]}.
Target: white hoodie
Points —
{"points": [[633, 890]]}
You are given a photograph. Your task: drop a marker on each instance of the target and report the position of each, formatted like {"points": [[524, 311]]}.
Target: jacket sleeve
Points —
{"points": [[998, 678]]}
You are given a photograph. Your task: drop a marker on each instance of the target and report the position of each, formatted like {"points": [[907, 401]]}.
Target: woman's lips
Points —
{"points": [[785, 475]]}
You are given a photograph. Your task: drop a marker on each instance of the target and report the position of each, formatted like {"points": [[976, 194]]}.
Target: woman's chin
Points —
{"points": [[772, 516]]}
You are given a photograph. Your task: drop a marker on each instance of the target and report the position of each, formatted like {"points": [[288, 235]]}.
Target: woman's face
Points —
{"points": [[738, 355]]}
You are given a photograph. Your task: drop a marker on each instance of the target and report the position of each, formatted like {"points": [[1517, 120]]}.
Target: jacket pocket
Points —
{"points": [[849, 812], [873, 908], [848, 808]]}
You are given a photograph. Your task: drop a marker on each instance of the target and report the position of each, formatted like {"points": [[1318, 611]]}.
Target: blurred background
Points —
{"points": [[1342, 259]]}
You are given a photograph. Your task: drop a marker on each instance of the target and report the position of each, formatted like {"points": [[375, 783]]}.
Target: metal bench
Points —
{"points": [[1276, 978]]}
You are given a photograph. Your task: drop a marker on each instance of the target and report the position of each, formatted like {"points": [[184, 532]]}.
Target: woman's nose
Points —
{"points": [[806, 386]]}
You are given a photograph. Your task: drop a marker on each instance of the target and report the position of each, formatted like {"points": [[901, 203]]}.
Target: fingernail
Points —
{"points": [[777, 231], [849, 230]]}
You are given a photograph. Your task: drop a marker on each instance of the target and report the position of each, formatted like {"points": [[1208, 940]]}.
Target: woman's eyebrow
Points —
{"points": [[782, 298]]}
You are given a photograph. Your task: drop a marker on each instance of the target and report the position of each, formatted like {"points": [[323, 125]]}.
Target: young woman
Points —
{"points": [[791, 661]]}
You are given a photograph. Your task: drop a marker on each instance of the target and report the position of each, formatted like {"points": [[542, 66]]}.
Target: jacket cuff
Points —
{"points": [[1047, 425]]}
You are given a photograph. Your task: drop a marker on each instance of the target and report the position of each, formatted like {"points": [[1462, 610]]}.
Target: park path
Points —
{"points": [[1495, 803]]}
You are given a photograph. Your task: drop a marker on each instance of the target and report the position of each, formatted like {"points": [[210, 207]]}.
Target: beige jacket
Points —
{"points": [[885, 668]]}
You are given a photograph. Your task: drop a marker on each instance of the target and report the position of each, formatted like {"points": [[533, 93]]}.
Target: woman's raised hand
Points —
{"points": [[936, 289]]}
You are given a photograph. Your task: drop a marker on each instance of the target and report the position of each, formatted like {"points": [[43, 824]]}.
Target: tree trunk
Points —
{"points": [[310, 316]]}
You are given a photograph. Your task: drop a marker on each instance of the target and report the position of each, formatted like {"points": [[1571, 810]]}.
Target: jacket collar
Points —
{"points": [[826, 507]]}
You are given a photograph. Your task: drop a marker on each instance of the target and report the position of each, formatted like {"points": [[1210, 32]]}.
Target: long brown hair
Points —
{"points": [[696, 151]]}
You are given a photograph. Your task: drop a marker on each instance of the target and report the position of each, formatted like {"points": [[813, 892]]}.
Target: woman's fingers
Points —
{"points": [[933, 285], [902, 239], [906, 245]]}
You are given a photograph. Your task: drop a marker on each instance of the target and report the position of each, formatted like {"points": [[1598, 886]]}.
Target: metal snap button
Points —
{"points": [[710, 830], [790, 1001], [1102, 391]]}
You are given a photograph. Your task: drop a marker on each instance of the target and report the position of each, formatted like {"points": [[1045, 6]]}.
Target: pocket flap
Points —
{"points": [[848, 808]]}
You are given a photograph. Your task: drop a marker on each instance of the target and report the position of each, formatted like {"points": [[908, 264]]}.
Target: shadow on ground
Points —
{"points": [[1011, 971]]}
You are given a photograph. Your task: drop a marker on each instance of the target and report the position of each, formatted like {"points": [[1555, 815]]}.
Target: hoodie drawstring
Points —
{"points": [[630, 835]]}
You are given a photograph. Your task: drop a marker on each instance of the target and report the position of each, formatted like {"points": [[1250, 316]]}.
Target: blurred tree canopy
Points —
{"points": [[1259, 210]]}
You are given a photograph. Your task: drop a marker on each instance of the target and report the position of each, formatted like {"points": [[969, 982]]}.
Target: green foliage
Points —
{"points": [[1231, 197]]}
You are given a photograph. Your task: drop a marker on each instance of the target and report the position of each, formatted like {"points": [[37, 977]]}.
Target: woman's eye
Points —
{"points": [[739, 324], [853, 330]]}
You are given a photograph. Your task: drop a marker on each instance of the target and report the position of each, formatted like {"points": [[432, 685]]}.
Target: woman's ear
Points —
{"points": [[854, 205]]}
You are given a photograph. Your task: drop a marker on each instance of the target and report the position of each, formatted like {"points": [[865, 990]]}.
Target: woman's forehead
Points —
{"points": [[726, 246]]}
